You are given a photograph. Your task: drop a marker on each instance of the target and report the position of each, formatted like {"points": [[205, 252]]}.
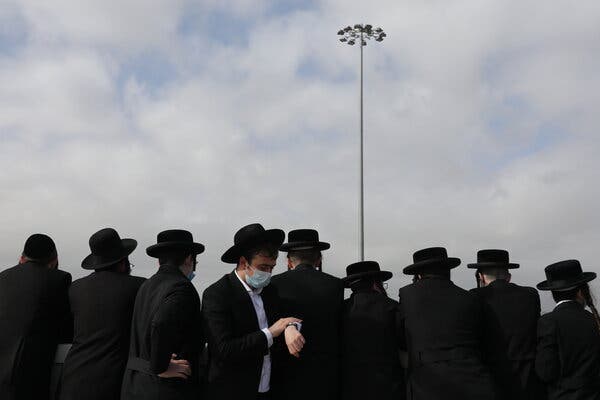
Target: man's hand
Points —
{"points": [[278, 327], [177, 369], [294, 340]]}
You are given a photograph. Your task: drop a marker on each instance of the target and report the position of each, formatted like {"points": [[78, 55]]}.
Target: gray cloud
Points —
{"points": [[480, 129]]}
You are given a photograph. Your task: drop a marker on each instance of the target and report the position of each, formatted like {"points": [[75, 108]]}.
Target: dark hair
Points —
{"points": [[362, 284], [570, 294], [39, 248], [307, 256], [367, 283], [115, 267], [175, 258], [112, 267], [436, 273], [587, 296], [266, 249], [495, 272]]}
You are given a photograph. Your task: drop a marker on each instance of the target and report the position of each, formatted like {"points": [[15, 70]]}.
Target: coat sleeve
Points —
{"points": [[169, 325], [547, 362], [401, 323], [64, 314], [219, 329]]}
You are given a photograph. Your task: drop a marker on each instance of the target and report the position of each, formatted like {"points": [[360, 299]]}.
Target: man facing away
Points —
{"points": [[102, 306], [511, 314], [568, 337], [443, 332], [316, 298], [242, 318], [166, 335], [34, 319], [371, 367]]}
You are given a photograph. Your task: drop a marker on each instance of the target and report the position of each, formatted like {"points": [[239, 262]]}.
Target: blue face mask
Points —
{"points": [[191, 275], [259, 279]]}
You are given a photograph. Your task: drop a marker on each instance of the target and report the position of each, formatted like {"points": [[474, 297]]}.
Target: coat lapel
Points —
{"points": [[242, 304]]}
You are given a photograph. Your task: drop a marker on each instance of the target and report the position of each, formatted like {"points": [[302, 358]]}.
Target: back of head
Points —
{"points": [[580, 292], [436, 273], [305, 256], [39, 248], [173, 257]]}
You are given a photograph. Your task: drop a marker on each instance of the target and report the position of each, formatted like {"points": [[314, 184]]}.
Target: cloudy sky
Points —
{"points": [[481, 127]]}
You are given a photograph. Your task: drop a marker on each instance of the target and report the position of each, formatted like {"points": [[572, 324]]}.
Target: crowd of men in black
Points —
{"points": [[290, 335]]}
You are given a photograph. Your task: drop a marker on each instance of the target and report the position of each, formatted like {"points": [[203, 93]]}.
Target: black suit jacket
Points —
{"points": [[443, 328], [34, 319], [102, 306], [568, 353], [371, 366], [236, 345], [166, 320], [511, 314], [316, 298]]}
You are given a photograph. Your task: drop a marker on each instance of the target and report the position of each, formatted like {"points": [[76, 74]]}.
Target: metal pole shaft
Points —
{"points": [[362, 194]]}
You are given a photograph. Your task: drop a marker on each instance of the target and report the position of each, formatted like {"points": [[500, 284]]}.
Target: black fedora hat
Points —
{"points": [[303, 239], [107, 248], [431, 258], [493, 258], [565, 275], [174, 240], [249, 236], [364, 269]]}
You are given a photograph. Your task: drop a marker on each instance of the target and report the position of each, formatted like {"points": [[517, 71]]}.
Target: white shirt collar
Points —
{"points": [[248, 288], [562, 301]]}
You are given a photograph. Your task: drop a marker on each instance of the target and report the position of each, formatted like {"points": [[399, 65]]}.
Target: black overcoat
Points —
{"points": [[370, 348], [316, 298], [443, 333], [236, 345], [511, 314], [568, 353], [102, 306], [34, 319], [166, 320]]}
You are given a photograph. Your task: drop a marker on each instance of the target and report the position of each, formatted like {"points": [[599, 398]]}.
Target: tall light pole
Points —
{"points": [[349, 35]]}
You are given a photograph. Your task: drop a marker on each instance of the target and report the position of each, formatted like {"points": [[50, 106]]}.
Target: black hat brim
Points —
{"points": [[233, 254], [446, 263], [97, 262], [383, 275], [568, 284], [493, 265], [156, 250], [304, 245]]}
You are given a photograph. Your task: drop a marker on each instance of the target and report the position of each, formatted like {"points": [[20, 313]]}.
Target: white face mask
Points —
{"points": [[259, 279]]}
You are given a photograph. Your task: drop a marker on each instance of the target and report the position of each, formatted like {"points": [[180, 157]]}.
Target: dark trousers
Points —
{"points": [[263, 396]]}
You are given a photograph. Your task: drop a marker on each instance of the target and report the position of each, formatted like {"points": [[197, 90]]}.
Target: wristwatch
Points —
{"points": [[298, 325]]}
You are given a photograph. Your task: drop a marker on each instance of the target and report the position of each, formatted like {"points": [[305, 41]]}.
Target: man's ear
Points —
{"points": [[53, 264], [22, 259], [289, 264], [509, 276]]}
